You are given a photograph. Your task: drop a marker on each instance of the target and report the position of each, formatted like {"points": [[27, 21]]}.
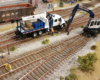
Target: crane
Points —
{"points": [[73, 14]]}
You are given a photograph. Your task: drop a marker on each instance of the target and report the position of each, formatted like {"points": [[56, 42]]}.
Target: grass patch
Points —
{"points": [[12, 48], [93, 6], [72, 76], [61, 4], [61, 78], [82, 26], [55, 34], [86, 62], [7, 27], [45, 41], [93, 47], [82, 12], [95, 75]]}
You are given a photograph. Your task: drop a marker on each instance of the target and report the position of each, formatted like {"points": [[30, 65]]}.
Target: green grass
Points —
{"points": [[45, 41], [93, 47], [61, 78], [12, 48], [82, 12], [82, 26], [86, 62], [93, 6]]}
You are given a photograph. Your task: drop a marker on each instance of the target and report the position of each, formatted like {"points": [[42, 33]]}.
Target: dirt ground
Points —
{"points": [[7, 27], [95, 75], [68, 5]]}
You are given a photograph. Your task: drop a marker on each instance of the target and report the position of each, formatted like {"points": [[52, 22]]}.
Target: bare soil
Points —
{"points": [[95, 75]]}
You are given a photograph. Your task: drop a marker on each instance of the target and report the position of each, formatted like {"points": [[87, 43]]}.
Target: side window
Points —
{"points": [[92, 23], [59, 19], [95, 23], [98, 23], [55, 20]]}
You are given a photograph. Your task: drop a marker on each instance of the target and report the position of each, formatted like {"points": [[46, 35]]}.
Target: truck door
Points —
{"points": [[98, 24], [91, 24], [56, 22]]}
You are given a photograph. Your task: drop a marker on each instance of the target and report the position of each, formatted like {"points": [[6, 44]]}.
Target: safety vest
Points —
{"points": [[69, 29], [52, 29]]}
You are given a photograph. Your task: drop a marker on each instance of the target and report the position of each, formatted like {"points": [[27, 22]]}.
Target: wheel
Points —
{"points": [[62, 26], [40, 33], [24, 37], [34, 34]]}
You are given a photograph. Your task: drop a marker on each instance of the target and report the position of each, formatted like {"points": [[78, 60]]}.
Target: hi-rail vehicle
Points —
{"points": [[36, 25], [93, 25]]}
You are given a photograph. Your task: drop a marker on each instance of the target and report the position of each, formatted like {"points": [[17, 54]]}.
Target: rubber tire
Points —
{"points": [[35, 34], [62, 26], [40, 33]]}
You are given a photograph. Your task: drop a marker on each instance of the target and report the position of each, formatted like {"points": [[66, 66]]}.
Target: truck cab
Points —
{"points": [[56, 20]]}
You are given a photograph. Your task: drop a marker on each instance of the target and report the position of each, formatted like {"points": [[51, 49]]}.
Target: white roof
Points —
{"points": [[56, 16]]}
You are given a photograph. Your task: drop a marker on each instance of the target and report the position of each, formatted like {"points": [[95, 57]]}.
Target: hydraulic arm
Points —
{"points": [[73, 14]]}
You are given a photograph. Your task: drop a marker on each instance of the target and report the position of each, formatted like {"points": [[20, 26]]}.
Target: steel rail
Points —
{"points": [[50, 58], [35, 60], [61, 60]]}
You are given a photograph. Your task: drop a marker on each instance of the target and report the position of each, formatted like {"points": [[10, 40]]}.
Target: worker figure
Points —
{"points": [[72, 2], [68, 30], [8, 66], [52, 30], [33, 12]]}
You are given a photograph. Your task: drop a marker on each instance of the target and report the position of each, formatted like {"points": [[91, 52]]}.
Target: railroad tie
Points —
{"points": [[1, 72], [35, 57], [32, 58], [39, 70], [29, 60], [42, 68], [48, 65], [49, 62], [22, 62], [41, 54], [47, 68], [35, 77], [25, 60], [38, 56], [26, 78], [30, 77], [37, 73], [4, 60]]}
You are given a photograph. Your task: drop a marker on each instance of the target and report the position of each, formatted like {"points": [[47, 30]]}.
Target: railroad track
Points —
{"points": [[7, 36], [10, 41], [29, 60], [47, 66]]}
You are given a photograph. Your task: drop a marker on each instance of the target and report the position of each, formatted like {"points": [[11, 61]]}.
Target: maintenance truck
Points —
{"points": [[93, 26], [36, 25]]}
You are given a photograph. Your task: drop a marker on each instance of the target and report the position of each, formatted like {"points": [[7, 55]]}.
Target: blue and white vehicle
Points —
{"points": [[36, 25], [93, 26]]}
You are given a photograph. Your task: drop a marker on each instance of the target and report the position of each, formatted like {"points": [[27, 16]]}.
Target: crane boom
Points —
{"points": [[73, 14]]}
